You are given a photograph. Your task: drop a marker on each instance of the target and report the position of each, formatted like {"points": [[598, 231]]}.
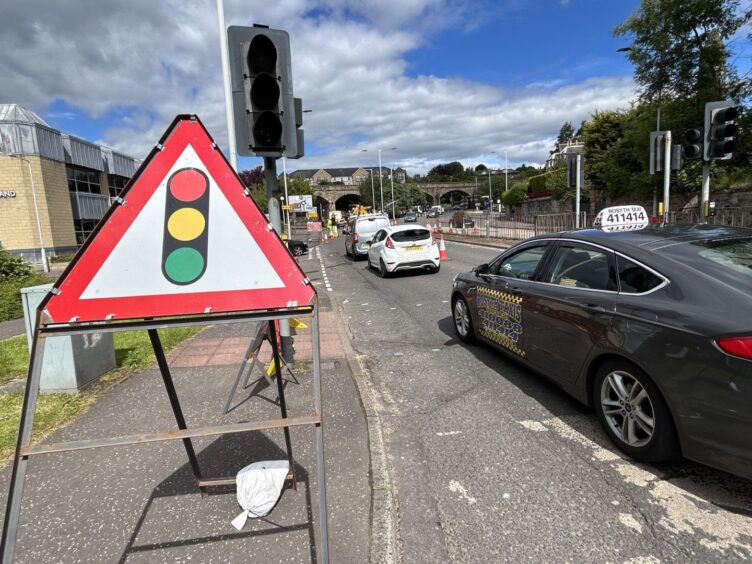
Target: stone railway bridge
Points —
{"points": [[339, 196]]}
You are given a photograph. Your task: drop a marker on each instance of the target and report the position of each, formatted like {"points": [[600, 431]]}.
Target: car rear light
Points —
{"points": [[355, 238], [736, 346], [389, 244]]}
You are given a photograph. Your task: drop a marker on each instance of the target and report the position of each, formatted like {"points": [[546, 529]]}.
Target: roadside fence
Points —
{"points": [[502, 226]]}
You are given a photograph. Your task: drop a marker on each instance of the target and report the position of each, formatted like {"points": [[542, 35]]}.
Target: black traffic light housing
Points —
{"points": [[262, 98], [657, 151], [720, 130], [692, 144]]}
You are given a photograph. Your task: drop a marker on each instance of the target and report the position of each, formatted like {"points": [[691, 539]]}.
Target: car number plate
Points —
{"points": [[414, 248]]}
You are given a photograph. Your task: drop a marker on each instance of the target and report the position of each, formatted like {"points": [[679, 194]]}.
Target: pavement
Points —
{"points": [[139, 503], [11, 328]]}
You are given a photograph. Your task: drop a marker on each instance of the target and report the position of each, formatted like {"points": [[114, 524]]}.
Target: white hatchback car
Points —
{"points": [[403, 247]]}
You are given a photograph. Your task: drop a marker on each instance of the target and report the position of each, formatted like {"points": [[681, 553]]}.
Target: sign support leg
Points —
{"points": [[323, 519], [282, 403], [251, 351], [174, 402], [26, 423]]}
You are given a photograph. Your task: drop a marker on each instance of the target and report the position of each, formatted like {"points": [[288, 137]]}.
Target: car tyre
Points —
{"points": [[382, 269], [633, 413], [352, 252], [297, 250], [436, 268], [463, 321], [368, 260]]}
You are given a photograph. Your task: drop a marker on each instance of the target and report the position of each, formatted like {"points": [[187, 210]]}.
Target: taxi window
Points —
{"points": [[634, 279], [581, 267], [521, 265]]}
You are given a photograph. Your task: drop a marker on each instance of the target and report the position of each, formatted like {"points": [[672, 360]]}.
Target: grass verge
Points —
{"points": [[132, 352]]}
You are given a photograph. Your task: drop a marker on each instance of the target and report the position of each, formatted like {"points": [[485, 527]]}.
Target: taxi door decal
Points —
{"points": [[501, 318]]}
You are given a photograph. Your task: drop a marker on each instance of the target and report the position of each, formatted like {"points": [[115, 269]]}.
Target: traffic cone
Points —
{"points": [[442, 249]]}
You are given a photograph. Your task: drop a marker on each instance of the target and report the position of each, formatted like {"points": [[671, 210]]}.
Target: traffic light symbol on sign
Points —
{"points": [[186, 227]]}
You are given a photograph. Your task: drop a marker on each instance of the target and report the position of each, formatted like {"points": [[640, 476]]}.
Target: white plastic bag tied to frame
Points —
{"points": [[259, 486]]}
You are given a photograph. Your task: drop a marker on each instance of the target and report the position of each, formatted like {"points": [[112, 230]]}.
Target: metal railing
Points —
{"points": [[514, 227], [732, 216]]}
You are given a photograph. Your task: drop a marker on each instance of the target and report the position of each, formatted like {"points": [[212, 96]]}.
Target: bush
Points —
{"points": [[515, 195], [67, 257], [12, 266], [10, 294]]}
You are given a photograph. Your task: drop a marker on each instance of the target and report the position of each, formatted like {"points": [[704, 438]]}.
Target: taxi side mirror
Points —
{"points": [[481, 268]]}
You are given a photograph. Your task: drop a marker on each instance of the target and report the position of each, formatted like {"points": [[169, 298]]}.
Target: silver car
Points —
{"points": [[360, 230]]}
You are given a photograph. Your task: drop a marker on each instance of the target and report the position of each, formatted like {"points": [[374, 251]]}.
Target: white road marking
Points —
{"points": [[684, 501], [456, 487], [323, 269], [448, 433], [536, 426], [628, 521]]}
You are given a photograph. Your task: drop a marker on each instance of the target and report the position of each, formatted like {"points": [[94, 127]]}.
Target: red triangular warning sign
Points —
{"points": [[184, 240]]}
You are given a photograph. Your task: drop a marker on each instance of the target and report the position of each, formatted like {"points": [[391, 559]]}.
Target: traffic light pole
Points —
{"points": [[705, 192], [272, 194], [578, 189], [666, 173]]}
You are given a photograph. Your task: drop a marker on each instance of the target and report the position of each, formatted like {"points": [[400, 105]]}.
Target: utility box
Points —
{"points": [[72, 362]]}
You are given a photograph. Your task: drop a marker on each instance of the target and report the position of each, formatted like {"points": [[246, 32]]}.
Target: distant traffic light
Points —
{"points": [[720, 130], [657, 151], [186, 227], [691, 147], [261, 77]]}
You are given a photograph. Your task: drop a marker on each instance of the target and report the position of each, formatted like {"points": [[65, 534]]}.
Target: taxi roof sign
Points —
{"points": [[621, 218], [184, 238]]}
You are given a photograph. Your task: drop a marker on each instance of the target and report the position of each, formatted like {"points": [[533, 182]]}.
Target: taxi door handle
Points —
{"points": [[593, 308], [515, 290]]}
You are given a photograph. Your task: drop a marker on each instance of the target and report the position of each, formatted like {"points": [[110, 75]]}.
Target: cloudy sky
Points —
{"points": [[440, 80]]}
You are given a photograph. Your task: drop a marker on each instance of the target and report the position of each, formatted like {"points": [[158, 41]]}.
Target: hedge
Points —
{"points": [[10, 294]]}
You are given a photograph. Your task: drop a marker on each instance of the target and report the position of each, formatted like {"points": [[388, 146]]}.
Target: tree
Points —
{"points": [[481, 168], [679, 48], [255, 181], [447, 172], [566, 133]]}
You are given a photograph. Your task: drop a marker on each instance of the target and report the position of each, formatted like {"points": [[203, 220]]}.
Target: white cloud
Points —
{"points": [[152, 60]]}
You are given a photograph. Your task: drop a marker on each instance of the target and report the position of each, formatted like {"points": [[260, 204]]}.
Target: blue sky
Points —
{"points": [[441, 80]]}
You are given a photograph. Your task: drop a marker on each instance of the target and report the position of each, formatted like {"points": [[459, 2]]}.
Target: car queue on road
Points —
{"points": [[650, 325]]}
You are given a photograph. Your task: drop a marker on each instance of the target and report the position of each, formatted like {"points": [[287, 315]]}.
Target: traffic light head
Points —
{"points": [[720, 130], [692, 144], [261, 77]]}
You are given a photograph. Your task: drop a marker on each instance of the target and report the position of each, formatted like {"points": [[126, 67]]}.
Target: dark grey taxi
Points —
{"points": [[652, 328]]}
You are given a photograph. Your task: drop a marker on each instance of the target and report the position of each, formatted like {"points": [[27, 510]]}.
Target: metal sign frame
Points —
{"points": [[25, 450]]}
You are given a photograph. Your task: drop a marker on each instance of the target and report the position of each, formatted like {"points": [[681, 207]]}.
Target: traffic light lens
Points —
{"points": [[262, 55], [186, 224], [692, 136], [184, 265], [187, 185], [265, 92], [267, 129]]}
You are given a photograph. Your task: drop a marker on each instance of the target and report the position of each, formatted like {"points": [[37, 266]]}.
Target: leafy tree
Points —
{"points": [[679, 47], [481, 168], [516, 194], [253, 177], [566, 133], [12, 266], [447, 172]]}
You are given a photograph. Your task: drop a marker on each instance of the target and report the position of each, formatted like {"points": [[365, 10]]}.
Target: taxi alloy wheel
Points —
{"points": [[297, 250], [633, 413], [463, 323]]}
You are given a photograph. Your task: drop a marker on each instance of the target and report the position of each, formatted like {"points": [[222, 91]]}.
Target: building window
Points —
{"points": [[83, 228], [117, 183], [83, 180]]}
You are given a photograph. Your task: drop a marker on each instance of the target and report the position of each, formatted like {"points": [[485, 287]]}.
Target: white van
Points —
{"points": [[360, 230]]}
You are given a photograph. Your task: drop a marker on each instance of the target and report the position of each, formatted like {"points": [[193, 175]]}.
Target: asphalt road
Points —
{"points": [[485, 461]]}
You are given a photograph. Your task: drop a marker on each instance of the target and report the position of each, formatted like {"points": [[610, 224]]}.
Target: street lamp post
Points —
{"points": [[381, 182], [391, 178], [373, 193], [45, 265]]}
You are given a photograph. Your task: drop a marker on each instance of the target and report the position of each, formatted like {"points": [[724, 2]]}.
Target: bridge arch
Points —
{"points": [[346, 201], [455, 196]]}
